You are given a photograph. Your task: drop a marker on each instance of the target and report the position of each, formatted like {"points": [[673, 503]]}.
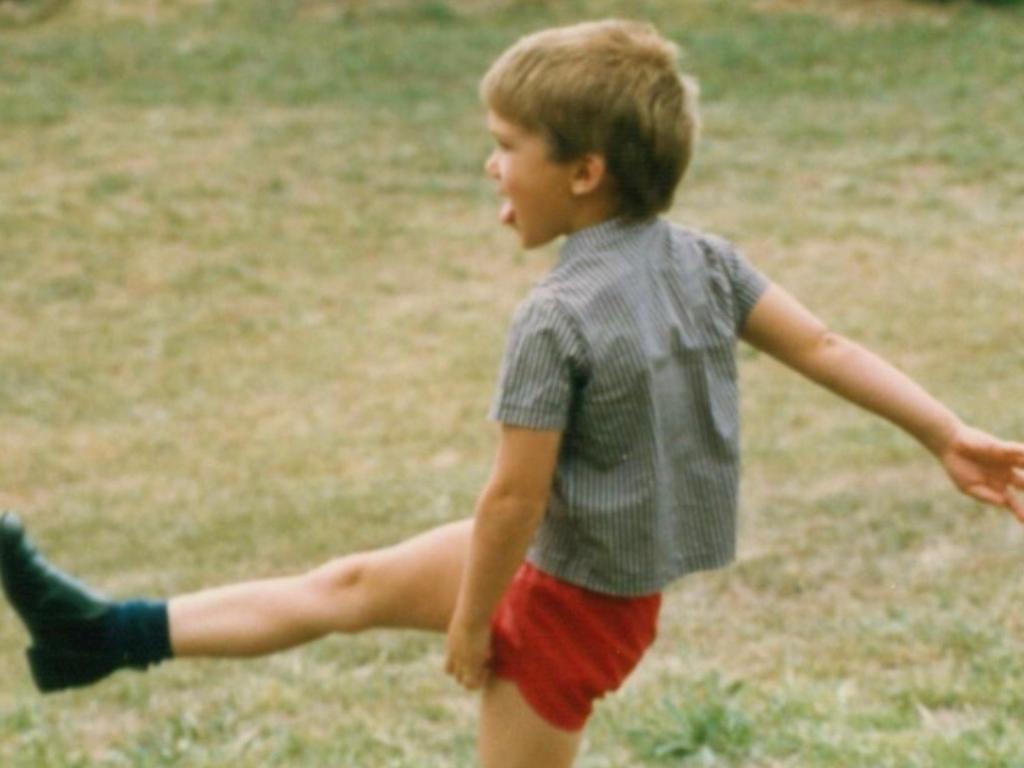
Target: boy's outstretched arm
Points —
{"points": [[982, 466], [509, 509]]}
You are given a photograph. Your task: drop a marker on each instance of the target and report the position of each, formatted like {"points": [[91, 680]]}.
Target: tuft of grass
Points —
{"points": [[699, 725]]}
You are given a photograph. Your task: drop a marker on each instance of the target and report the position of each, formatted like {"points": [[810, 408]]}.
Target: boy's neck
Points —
{"points": [[591, 211]]}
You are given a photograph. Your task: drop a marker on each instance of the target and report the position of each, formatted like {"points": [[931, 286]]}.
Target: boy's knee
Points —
{"points": [[345, 582]]}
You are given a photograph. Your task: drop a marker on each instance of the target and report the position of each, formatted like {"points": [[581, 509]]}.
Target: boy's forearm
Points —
{"points": [[865, 379], [502, 531], [785, 329]]}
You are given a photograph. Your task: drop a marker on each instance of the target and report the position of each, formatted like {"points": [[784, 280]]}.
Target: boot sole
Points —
{"points": [[57, 670]]}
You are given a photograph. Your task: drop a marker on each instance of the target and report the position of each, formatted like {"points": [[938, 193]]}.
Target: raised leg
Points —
{"points": [[80, 637], [411, 585], [512, 735]]}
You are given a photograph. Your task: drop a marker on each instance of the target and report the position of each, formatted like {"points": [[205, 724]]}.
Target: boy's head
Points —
{"points": [[611, 88]]}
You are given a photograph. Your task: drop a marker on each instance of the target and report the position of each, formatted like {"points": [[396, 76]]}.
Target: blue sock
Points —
{"points": [[137, 632]]}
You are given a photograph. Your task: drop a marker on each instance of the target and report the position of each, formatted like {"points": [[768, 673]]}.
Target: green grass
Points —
{"points": [[252, 301]]}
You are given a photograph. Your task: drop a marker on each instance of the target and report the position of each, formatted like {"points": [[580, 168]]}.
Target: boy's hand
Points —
{"points": [[469, 651], [986, 468], [508, 512]]}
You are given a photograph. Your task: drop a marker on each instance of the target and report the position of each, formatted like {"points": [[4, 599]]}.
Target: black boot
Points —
{"points": [[78, 636]]}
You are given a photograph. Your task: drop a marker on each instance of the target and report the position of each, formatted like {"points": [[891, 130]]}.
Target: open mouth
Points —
{"points": [[508, 213]]}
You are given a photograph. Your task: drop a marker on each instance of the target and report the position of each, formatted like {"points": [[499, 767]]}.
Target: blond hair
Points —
{"points": [[612, 87]]}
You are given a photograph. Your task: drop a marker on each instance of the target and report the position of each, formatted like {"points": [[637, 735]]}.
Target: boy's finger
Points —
{"points": [[471, 680], [986, 494], [1009, 453], [995, 449], [1015, 505], [469, 677], [1015, 453]]}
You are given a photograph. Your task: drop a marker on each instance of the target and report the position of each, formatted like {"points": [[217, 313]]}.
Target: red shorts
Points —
{"points": [[565, 646]]}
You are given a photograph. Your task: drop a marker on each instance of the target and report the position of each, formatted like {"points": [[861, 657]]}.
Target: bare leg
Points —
{"points": [[411, 585], [512, 735]]}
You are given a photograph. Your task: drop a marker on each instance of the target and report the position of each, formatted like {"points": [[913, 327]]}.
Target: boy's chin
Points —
{"points": [[529, 242]]}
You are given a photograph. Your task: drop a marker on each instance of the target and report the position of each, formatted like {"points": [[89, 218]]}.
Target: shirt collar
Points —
{"points": [[602, 237]]}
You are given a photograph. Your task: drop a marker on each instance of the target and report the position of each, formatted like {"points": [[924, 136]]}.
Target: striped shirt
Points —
{"points": [[628, 347]]}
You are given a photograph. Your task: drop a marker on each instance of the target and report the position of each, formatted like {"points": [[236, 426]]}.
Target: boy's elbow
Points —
{"points": [[830, 344], [828, 354], [508, 505]]}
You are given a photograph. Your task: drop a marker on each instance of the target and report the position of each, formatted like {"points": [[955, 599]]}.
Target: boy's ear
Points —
{"points": [[590, 173]]}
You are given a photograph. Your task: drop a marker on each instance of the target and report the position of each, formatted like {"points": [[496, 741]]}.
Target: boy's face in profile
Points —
{"points": [[538, 200]]}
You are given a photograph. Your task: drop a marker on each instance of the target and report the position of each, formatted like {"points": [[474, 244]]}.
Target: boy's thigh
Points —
{"points": [[512, 735], [414, 584]]}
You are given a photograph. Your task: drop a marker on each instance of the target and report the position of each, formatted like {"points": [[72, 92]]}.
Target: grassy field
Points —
{"points": [[252, 302]]}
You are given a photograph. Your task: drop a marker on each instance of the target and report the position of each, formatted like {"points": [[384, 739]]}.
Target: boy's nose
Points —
{"points": [[491, 165]]}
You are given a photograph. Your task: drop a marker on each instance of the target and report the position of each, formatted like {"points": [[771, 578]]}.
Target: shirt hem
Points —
{"points": [[584, 573]]}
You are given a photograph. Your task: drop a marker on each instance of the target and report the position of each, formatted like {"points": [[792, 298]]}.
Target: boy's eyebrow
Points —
{"points": [[498, 130], [500, 137]]}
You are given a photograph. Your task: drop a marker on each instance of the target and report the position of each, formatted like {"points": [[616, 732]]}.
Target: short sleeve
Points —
{"points": [[535, 385], [748, 284]]}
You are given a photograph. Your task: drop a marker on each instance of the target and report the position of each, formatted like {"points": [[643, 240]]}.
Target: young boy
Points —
{"points": [[617, 464]]}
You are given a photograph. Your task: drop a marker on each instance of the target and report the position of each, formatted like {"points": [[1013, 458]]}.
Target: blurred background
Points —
{"points": [[253, 295]]}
